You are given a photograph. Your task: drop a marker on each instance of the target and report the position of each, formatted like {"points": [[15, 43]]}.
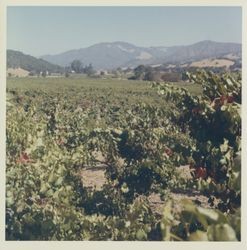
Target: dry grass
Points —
{"points": [[18, 72], [212, 63]]}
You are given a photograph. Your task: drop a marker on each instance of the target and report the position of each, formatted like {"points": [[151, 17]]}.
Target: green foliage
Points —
{"points": [[55, 130], [76, 65], [199, 224], [212, 119], [146, 73]]}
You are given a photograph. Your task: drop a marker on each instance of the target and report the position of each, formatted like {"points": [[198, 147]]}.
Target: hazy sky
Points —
{"points": [[50, 30]]}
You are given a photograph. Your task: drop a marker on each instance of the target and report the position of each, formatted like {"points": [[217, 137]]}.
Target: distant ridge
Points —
{"points": [[17, 59], [121, 54]]}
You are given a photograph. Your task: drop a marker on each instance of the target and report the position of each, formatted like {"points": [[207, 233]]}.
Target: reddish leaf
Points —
{"points": [[201, 172]]}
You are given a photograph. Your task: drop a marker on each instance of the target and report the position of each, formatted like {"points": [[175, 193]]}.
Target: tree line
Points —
{"points": [[77, 66]]}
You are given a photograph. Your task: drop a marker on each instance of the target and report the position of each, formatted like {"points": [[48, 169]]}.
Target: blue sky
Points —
{"points": [[50, 30]]}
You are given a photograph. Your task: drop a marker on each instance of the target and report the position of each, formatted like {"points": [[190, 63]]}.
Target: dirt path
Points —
{"points": [[94, 177]]}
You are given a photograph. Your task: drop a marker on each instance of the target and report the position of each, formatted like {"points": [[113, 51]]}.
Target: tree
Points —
{"points": [[89, 70], [151, 75], [184, 77], [37, 72], [43, 74], [171, 77], [76, 65], [139, 72]]}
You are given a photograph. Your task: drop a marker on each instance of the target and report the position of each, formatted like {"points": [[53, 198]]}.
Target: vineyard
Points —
{"points": [[148, 139]]}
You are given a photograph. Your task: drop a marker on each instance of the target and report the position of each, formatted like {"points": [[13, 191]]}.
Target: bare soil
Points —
{"points": [[94, 177], [19, 72]]}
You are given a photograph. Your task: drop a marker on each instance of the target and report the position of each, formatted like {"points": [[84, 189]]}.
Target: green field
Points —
{"points": [[63, 133], [121, 87]]}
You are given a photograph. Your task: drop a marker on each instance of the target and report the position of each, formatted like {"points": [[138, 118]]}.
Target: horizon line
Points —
{"points": [[108, 42]]}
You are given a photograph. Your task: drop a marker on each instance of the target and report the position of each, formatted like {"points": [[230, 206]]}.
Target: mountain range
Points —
{"points": [[121, 54]]}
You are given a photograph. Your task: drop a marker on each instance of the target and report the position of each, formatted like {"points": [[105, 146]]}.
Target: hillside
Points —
{"points": [[106, 55], [122, 54], [16, 59], [216, 63], [19, 72], [202, 50]]}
